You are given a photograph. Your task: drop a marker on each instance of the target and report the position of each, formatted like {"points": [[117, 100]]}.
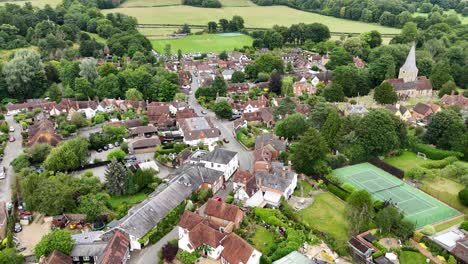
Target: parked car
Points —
{"points": [[12, 129], [18, 227], [11, 139], [116, 144], [105, 148], [99, 150], [219, 199], [2, 173], [130, 158], [110, 146], [203, 112], [225, 140]]}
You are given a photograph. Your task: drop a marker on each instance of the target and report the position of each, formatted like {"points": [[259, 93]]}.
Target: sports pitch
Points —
{"points": [[417, 206]]}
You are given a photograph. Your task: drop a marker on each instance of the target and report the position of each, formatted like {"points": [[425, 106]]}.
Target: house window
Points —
{"points": [[86, 258], [75, 258], [219, 166]]}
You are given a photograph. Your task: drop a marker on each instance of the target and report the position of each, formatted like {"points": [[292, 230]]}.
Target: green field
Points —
{"points": [[39, 3], [203, 43], [327, 214], [410, 257], [417, 206], [463, 19], [254, 16], [406, 161]]}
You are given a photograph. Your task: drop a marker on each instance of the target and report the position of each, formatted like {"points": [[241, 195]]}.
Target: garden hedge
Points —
{"points": [[436, 154]]}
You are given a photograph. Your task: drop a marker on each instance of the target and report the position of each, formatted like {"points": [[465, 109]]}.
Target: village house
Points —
{"points": [[176, 106], [460, 251], [43, 132], [361, 248], [263, 115], [223, 214], [254, 105], [199, 130], [227, 74], [222, 160], [409, 84], [244, 185], [142, 131], [296, 258], [143, 145], [279, 181], [267, 149], [159, 115], [205, 177], [454, 99], [399, 110], [56, 257], [423, 111], [238, 88], [221, 243], [13, 109], [303, 86], [185, 79], [355, 109]]}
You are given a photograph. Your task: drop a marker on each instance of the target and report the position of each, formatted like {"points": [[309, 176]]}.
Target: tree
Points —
{"points": [[93, 205], [224, 24], [116, 177], [179, 54], [446, 130], [359, 86], [20, 162], [9, 256], [291, 127], [309, 154], [331, 128], [106, 69], [440, 75], [185, 29], [334, 93], [133, 94], [376, 132], [359, 211], [25, 75], [385, 94], [60, 240], [180, 97], [108, 86], [339, 57], [238, 77], [387, 218], [83, 89], [269, 62], [88, 69], [448, 88], [212, 27], [372, 38], [167, 50], [223, 109], [166, 91], [79, 120], [223, 55], [463, 196], [276, 81], [68, 155], [316, 32], [39, 152], [286, 107], [117, 154]]}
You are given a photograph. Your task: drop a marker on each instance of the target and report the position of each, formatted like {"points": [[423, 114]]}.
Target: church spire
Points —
{"points": [[409, 71]]}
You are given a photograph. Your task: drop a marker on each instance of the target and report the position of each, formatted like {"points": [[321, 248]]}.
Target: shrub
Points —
{"points": [[434, 153], [343, 195], [118, 154], [463, 196], [464, 225], [229, 199], [187, 258], [428, 230], [337, 161], [439, 164], [418, 236], [169, 252], [416, 173], [21, 162], [348, 187]]}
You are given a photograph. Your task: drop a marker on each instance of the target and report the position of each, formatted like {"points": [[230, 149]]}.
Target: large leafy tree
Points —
{"points": [[291, 127], [447, 130], [53, 196], [387, 218], [376, 132], [275, 82], [334, 93], [25, 75], [117, 178], [9, 256], [60, 240], [269, 62], [223, 109], [385, 94], [238, 77], [68, 155], [286, 107], [309, 153], [38, 152], [331, 128], [355, 82], [359, 211], [133, 94], [88, 69], [93, 205]]}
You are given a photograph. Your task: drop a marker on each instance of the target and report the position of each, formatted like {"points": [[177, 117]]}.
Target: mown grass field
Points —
{"points": [[254, 16], [38, 3], [406, 161], [410, 257], [327, 214], [203, 43]]}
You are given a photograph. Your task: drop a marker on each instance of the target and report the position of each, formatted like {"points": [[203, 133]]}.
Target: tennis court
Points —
{"points": [[417, 206]]}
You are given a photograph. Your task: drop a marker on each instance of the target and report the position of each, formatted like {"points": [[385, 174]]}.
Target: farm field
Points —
{"points": [[203, 43], [254, 16], [327, 214], [38, 3], [463, 19], [148, 3]]}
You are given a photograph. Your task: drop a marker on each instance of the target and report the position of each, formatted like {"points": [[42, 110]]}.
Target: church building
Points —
{"points": [[409, 84]]}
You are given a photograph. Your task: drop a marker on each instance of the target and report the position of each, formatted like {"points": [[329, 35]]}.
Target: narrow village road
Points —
{"points": [[226, 128], [149, 255], [12, 150]]}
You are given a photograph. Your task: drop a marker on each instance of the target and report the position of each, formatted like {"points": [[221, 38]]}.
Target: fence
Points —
{"points": [[91, 166], [388, 168]]}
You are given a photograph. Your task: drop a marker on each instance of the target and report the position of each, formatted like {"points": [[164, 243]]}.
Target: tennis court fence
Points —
{"points": [[387, 167]]}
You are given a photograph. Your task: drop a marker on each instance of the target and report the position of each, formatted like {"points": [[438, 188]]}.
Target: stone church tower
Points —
{"points": [[409, 71]]}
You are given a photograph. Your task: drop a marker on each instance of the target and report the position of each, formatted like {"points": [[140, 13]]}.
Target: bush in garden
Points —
{"points": [[463, 196], [428, 230]]}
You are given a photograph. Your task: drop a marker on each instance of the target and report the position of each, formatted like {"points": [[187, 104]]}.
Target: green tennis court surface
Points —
{"points": [[418, 207]]}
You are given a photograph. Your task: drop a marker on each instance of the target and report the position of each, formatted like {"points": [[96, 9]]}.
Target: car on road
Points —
{"points": [[203, 112], [2, 173], [234, 117], [225, 140], [219, 199], [11, 139], [18, 227], [12, 129]]}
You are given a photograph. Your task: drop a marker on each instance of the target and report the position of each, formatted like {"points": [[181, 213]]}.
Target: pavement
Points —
{"points": [[149, 255], [226, 128], [12, 150]]}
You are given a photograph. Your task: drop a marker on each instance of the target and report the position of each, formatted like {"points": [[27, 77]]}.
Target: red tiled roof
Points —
{"points": [[204, 234], [189, 220], [221, 210], [116, 250], [57, 257], [236, 249]]}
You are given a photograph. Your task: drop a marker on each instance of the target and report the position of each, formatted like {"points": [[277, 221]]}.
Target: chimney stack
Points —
{"points": [[289, 166]]}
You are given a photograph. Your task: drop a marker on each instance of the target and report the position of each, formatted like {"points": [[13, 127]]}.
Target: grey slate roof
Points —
{"points": [[88, 249], [221, 156], [199, 174], [294, 258], [87, 237], [277, 179], [144, 217], [269, 138]]}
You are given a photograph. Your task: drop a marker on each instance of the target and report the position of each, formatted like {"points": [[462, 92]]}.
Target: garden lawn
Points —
{"points": [[203, 43], [327, 214], [116, 201], [254, 16], [410, 257], [305, 186], [406, 161], [263, 240], [445, 190]]}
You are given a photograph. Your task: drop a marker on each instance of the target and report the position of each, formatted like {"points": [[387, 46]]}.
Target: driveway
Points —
{"points": [[226, 128], [149, 255], [12, 150]]}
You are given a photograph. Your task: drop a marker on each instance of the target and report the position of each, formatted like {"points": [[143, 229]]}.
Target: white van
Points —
{"points": [[2, 173]]}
